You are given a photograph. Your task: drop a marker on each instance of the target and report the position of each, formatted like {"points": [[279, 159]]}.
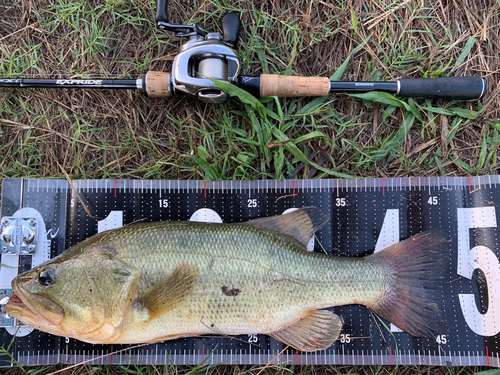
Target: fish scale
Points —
{"points": [[271, 274]]}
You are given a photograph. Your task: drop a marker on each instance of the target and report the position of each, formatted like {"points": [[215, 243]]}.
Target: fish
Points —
{"points": [[157, 281]]}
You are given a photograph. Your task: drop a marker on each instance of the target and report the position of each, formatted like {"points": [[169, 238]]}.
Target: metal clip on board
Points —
{"points": [[210, 55], [19, 237]]}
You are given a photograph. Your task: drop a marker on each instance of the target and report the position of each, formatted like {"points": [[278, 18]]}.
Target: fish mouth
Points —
{"points": [[34, 310], [14, 303], [16, 308]]}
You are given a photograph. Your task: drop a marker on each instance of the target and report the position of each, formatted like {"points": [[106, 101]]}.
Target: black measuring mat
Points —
{"points": [[365, 216]]}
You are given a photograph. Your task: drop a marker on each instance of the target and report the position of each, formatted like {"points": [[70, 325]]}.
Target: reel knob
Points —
{"points": [[230, 29]]}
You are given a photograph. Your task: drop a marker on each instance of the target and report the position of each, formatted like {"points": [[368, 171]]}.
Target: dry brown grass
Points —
{"points": [[94, 134]]}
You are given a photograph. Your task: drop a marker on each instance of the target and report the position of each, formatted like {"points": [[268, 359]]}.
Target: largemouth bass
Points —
{"points": [[150, 282]]}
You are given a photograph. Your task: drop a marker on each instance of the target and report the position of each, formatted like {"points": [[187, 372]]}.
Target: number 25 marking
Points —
{"points": [[253, 338]]}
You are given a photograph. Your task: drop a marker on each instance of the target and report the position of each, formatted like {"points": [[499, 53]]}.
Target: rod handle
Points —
{"points": [[157, 84], [289, 86], [453, 88], [161, 10]]}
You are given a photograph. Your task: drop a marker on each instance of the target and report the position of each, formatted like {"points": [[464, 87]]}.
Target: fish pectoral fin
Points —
{"points": [[316, 331], [171, 292], [301, 223]]}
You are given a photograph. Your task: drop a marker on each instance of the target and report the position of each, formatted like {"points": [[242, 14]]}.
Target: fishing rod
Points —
{"points": [[211, 55]]}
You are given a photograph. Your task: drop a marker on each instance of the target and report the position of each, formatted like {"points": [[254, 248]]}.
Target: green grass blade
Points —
{"points": [[465, 52]]}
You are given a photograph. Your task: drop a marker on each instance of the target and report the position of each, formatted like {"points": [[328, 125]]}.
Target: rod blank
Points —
{"points": [[98, 83]]}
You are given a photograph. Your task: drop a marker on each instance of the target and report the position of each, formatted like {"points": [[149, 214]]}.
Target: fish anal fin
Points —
{"points": [[300, 223], [316, 331], [171, 292]]}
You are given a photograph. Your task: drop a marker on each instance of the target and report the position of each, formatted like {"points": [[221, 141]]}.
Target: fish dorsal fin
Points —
{"points": [[316, 331], [171, 292], [300, 223]]}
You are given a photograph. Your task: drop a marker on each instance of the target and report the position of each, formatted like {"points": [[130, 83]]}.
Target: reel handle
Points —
{"points": [[179, 30]]}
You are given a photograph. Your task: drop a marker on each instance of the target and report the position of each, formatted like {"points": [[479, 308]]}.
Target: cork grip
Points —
{"points": [[158, 84], [288, 86]]}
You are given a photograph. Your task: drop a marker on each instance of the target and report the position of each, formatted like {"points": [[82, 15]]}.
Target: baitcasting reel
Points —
{"points": [[205, 55]]}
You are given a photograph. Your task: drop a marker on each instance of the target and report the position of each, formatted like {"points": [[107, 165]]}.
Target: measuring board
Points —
{"points": [[365, 216]]}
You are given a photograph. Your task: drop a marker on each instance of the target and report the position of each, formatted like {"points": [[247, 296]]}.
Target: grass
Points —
{"points": [[122, 134], [114, 134]]}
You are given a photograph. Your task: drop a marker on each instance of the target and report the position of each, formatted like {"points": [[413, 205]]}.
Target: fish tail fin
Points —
{"points": [[412, 296]]}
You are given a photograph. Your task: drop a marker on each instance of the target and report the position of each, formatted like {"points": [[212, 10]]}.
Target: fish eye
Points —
{"points": [[46, 277]]}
